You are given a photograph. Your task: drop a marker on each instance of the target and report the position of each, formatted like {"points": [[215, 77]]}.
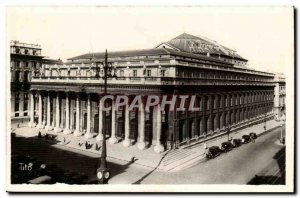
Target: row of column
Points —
{"points": [[113, 138]]}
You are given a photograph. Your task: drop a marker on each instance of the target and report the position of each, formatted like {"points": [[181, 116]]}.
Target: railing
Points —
{"points": [[147, 80]]}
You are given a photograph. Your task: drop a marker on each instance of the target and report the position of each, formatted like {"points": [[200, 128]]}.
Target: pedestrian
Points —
{"points": [[205, 146]]}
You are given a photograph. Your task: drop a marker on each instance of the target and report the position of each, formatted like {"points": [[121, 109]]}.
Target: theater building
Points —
{"points": [[65, 97]]}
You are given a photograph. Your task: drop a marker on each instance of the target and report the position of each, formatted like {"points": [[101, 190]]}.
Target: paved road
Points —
{"points": [[236, 167]]}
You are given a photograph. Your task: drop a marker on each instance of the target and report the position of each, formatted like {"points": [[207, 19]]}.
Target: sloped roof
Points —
{"points": [[126, 53], [146, 52], [197, 44]]}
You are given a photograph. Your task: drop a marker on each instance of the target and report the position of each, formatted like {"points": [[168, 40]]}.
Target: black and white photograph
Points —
{"points": [[150, 99]]}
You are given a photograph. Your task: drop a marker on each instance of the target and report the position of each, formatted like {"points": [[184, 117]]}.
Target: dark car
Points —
{"points": [[245, 139], [212, 152], [253, 135], [236, 142], [226, 146]]}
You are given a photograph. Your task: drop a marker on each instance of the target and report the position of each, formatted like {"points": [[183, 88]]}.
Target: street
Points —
{"points": [[264, 158]]}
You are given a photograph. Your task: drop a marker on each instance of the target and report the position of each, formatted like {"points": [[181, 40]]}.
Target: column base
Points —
{"points": [[77, 133], [142, 145], [159, 148], [113, 140], [67, 131], [88, 135], [99, 137], [31, 124], [48, 128], [40, 126], [57, 130], [126, 143]]}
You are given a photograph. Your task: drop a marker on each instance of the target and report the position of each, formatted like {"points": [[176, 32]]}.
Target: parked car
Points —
{"points": [[213, 152], [226, 146], [245, 139], [253, 135], [236, 142]]}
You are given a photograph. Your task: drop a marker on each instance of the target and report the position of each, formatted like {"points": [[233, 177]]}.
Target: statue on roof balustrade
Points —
{"points": [[69, 70], [78, 71], [58, 71]]}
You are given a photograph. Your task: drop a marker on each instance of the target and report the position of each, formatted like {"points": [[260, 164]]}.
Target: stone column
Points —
{"points": [[40, 112], [57, 113], [67, 128], [113, 139], [77, 129], [141, 126], [158, 147], [31, 123], [88, 134], [100, 135], [126, 141], [48, 125]]}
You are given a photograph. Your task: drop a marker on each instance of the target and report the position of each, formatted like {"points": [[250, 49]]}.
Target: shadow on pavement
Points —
{"points": [[66, 160], [145, 176], [278, 179]]}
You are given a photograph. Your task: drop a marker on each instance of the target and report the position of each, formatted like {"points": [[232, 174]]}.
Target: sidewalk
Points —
{"points": [[171, 160]]}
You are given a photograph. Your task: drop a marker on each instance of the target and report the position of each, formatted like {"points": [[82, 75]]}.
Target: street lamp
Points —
{"points": [[282, 139], [265, 127], [228, 131], [103, 173]]}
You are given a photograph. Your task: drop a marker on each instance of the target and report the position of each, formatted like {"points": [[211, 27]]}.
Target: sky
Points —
{"points": [[263, 35]]}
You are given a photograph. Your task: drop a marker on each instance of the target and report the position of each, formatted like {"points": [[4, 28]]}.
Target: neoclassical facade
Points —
{"points": [[25, 60], [66, 97]]}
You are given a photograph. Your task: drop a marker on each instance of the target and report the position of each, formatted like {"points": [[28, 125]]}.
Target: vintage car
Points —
{"points": [[253, 135], [236, 142], [226, 146], [213, 152], [245, 139]]}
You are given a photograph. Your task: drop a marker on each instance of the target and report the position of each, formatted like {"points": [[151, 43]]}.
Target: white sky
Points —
{"points": [[263, 35]]}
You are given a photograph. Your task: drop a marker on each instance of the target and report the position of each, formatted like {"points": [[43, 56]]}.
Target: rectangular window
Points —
{"points": [[134, 73], [148, 73], [17, 96], [25, 96], [163, 73], [16, 108], [25, 106], [226, 101]]}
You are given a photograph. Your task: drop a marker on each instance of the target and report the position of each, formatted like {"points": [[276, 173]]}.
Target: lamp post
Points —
{"points": [[103, 173], [228, 131], [265, 127]]}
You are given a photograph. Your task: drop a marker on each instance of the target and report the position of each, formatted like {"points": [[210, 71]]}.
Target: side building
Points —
{"points": [[25, 61], [279, 96], [66, 97]]}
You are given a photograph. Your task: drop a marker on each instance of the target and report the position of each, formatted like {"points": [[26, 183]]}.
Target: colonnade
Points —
{"points": [[60, 119]]}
